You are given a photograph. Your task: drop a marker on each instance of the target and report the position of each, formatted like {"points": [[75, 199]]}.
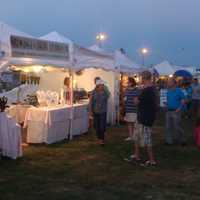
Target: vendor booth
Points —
{"points": [[57, 76], [48, 116], [94, 64], [90, 63], [10, 131]]}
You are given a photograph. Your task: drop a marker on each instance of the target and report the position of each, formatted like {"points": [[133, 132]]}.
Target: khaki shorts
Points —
{"points": [[131, 117], [143, 135]]}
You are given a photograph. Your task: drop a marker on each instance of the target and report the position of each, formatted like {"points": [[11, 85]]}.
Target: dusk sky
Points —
{"points": [[170, 28]]}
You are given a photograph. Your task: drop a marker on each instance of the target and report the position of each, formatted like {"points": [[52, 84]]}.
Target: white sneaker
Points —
{"points": [[128, 139], [132, 156]]}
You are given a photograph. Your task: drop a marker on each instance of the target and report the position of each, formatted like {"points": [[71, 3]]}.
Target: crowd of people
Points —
{"points": [[141, 107]]}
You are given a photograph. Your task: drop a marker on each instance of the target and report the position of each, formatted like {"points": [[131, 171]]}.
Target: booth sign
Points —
{"points": [[25, 47]]}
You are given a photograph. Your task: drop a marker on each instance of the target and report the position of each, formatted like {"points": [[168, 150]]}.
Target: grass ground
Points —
{"points": [[82, 170]]}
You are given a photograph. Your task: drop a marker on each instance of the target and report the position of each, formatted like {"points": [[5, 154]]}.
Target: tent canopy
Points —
{"points": [[87, 58], [121, 61], [56, 37], [164, 68], [5, 33], [125, 64], [96, 48]]}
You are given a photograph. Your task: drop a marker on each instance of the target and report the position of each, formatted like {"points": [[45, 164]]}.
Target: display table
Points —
{"points": [[18, 112], [80, 121], [50, 125], [10, 137]]}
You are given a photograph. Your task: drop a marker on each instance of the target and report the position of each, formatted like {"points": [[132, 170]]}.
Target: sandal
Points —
{"points": [[133, 159], [149, 163]]}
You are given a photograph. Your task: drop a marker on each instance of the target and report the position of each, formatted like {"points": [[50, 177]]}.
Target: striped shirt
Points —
{"points": [[130, 94]]}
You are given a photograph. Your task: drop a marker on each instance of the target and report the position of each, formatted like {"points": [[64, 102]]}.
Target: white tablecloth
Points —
{"points": [[50, 125], [80, 122], [18, 112], [10, 137]]}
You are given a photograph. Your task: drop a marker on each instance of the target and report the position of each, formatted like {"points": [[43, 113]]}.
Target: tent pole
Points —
{"points": [[71, 72], [71, 104]]}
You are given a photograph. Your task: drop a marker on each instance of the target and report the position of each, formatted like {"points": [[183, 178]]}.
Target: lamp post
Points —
{"points": [[144, 52], [101, 37]]}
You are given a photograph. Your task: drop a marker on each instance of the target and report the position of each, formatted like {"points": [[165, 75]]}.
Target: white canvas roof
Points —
{"points": [[5, 32], [87, 58], [122, 62], [164, 68], [83, 57], [96, 48], [56, 37], [125, 64]]}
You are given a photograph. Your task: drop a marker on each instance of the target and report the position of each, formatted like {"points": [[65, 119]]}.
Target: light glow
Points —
{"points": [[101, 37], [37, 68], [26, 70], [144, 51]]}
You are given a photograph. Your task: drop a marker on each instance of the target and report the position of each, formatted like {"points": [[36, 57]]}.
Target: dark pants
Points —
{"points": [[100, 125]]}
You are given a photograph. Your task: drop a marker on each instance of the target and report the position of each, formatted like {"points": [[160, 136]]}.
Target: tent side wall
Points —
{"points": [[86, 81], [53, 81]]}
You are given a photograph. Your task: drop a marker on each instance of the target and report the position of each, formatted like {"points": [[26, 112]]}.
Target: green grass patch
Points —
{"points": [[80, 169]]}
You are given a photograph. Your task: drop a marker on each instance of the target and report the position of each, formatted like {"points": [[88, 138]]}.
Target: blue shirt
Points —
{"points": [[174, 98]]}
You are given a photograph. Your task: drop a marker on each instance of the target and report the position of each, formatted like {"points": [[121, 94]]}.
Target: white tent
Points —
{"points": [[98, 63], [122, 62], [93, 62], [56, 37], [93, 57], [125, 64], [5, 32], [164, 68], [96, 48], [87, 58]]}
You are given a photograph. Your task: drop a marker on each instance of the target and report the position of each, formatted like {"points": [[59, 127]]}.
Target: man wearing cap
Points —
{"points": [[104, 83], [98, 107]]}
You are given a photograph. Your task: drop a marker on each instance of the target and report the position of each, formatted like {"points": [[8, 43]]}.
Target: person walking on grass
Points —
{"points": [[175, 104], [147, 108], [98, 107], [131, 95]]}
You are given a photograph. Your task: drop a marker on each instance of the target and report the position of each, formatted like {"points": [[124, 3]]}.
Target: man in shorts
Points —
{"points": [[147, 108]]}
